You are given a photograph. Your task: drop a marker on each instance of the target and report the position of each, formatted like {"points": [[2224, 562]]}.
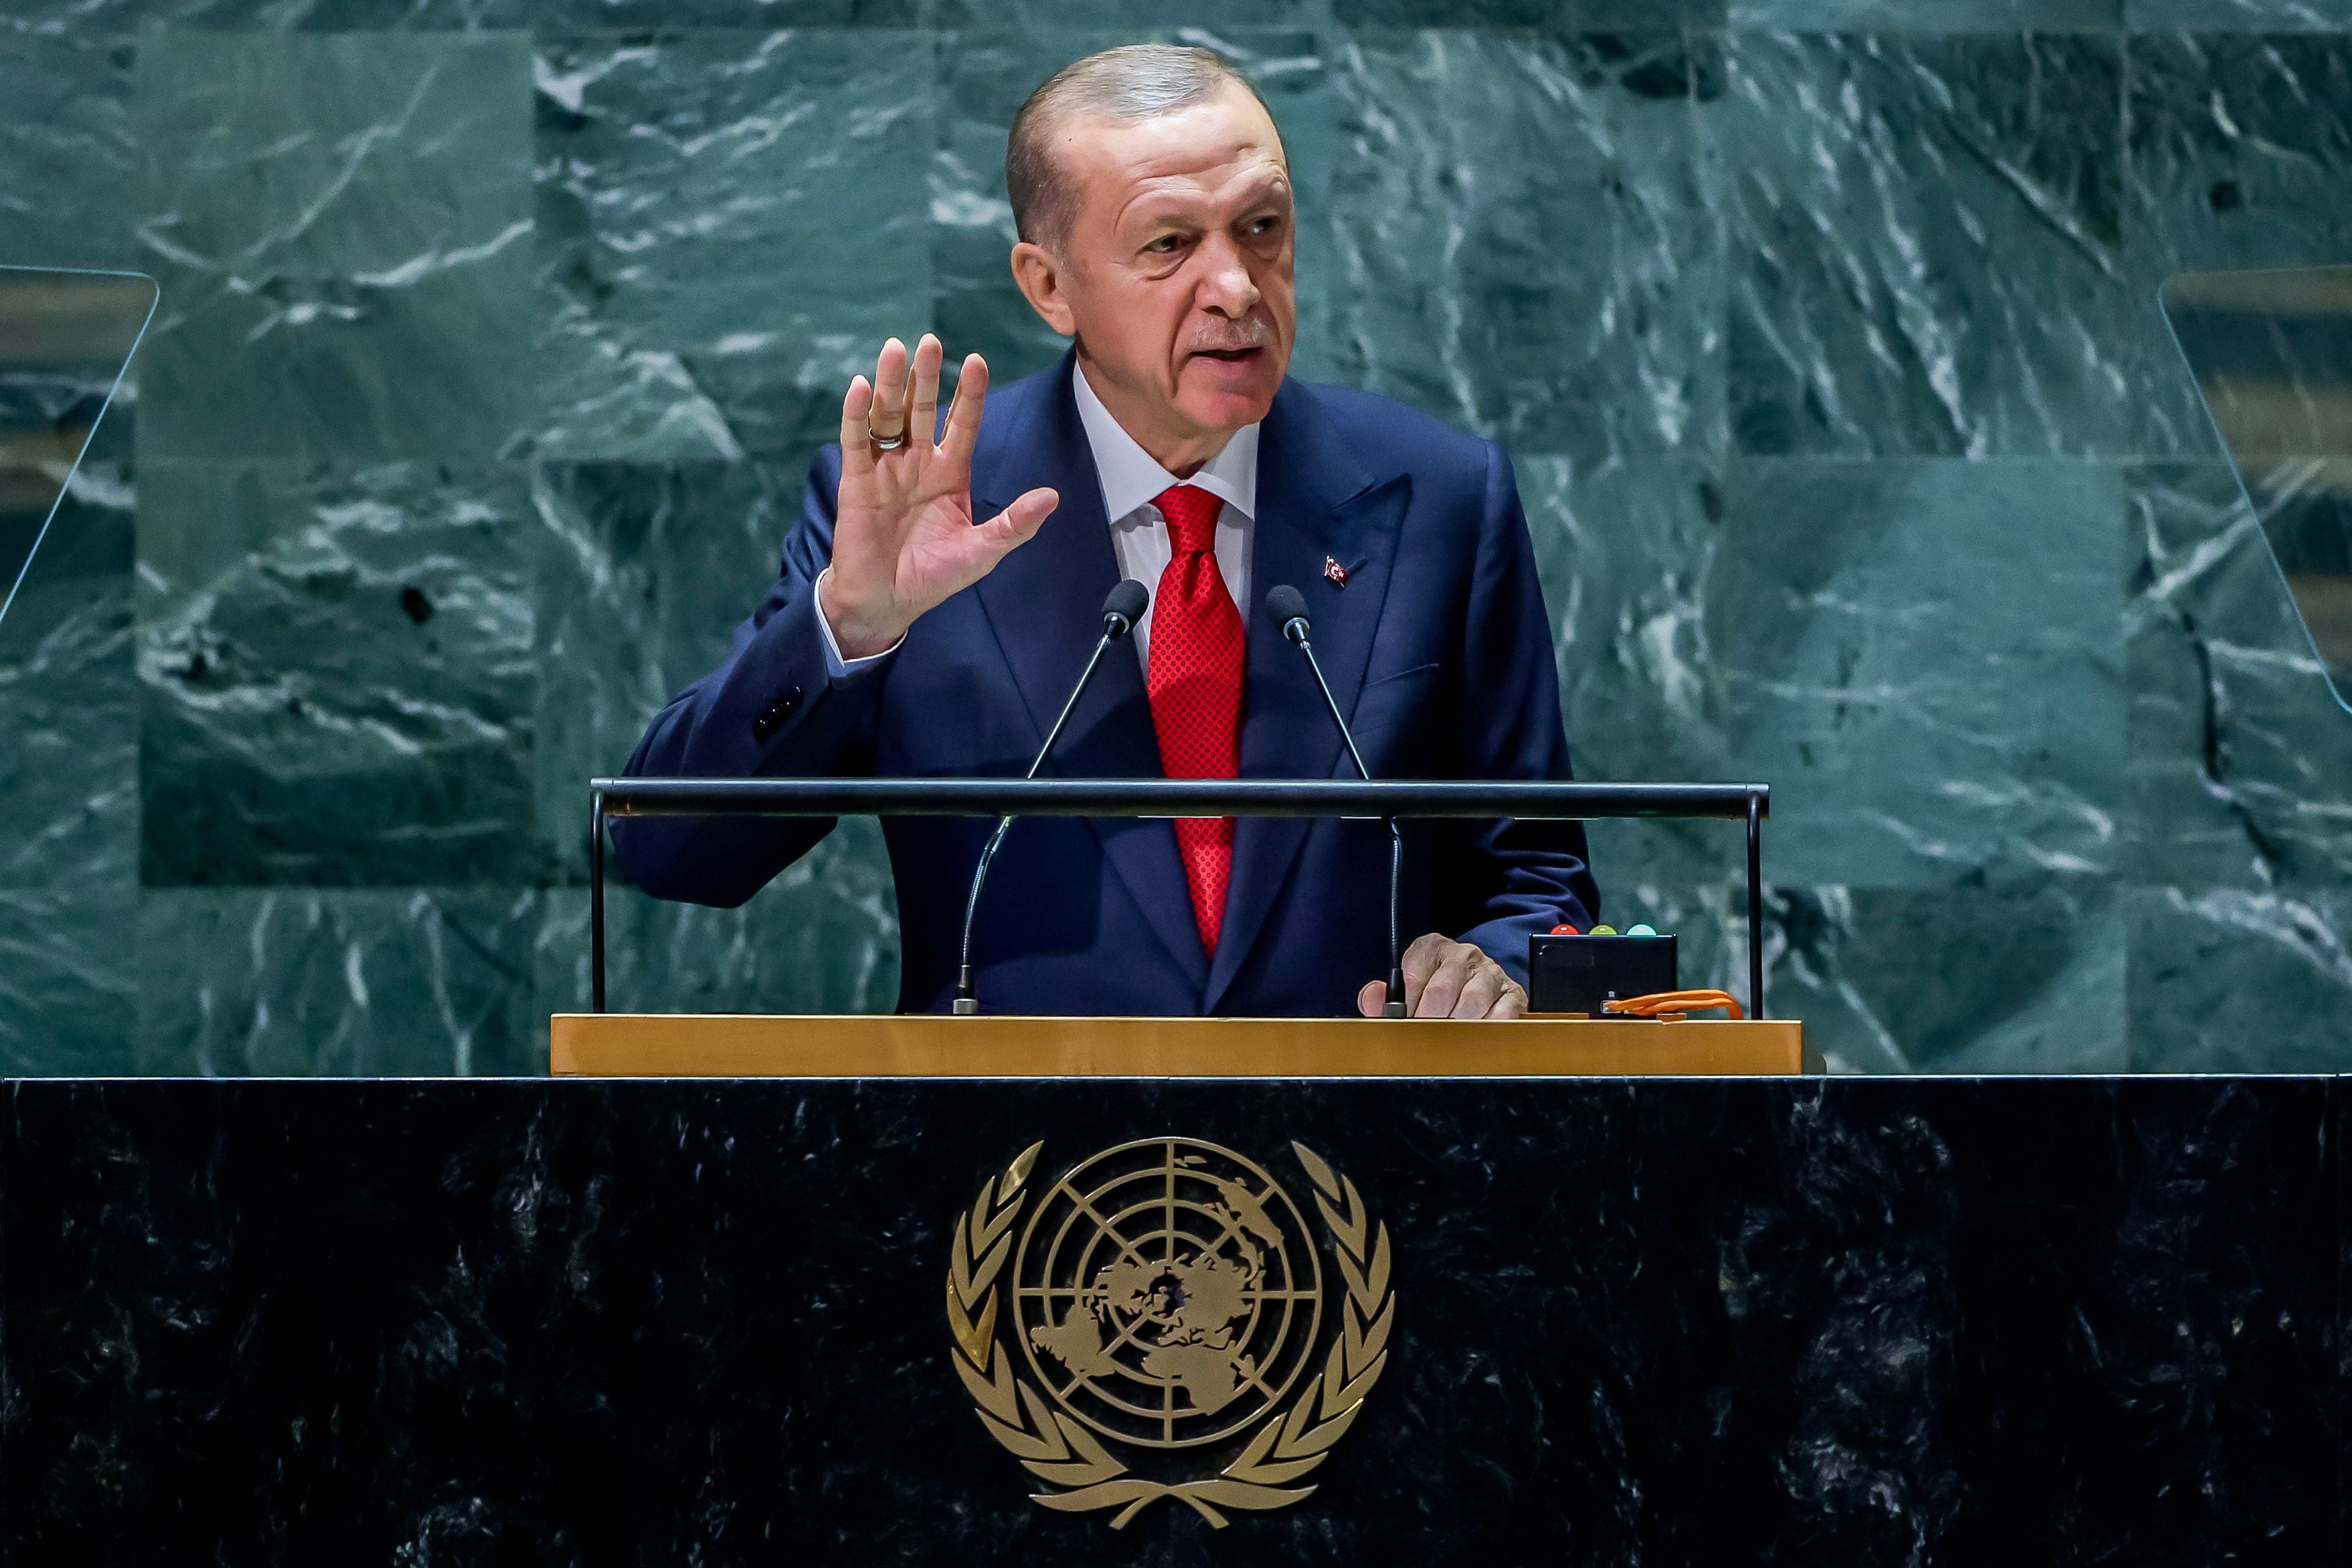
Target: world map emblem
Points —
{"points": [[1159, 1323]]}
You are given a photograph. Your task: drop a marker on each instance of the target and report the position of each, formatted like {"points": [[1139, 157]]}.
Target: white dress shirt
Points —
{"points": [[1132, 480]]}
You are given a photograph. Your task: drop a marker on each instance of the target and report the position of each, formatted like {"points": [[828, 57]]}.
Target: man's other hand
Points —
{"points": [[1448, 979], [903, 536]]}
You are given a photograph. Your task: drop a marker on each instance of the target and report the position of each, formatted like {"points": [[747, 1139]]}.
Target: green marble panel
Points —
{"points": [[1557, 15], [2241, 760], [68, 705], [342, 224], [731, 223], [2027, 978], [67, 153], [577, 16], [821, 939], [2238, 979], [1523, 241], [1927, 244], [1651, 572], [985, 75], [1625, 550], [55, 17], [1925, 660], [338, 676], [2240, 157], [645, 571], [1929, 16], [2237, 15], [341, 983], [68, 980], [68, 750], [648, 570], [1210, 22], [267, 15]]}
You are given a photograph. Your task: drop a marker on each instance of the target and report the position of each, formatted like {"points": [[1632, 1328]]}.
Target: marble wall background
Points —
{"points": [[495, 333]]}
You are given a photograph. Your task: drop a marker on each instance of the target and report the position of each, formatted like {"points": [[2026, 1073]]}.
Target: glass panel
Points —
{"points": [[2272, 352], [65, 340]]}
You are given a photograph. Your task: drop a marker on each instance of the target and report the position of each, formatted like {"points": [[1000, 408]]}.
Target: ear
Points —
{"points": [[1040, 277]]}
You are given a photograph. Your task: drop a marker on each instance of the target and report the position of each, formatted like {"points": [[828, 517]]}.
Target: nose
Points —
{"points": [[1225, 286]]}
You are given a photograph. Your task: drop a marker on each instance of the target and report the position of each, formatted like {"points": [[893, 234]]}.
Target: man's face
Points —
{"points": [[1177, 271]]}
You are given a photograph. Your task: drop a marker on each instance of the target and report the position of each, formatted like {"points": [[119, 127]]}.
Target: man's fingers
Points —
{"points": [[1445, 988], [1438, 996], [856, 457], [887, 417], [1425, 954], [1486, 991], [1018, 523], [1419, 962], [1481, 990], [923, 417], [963, 413]]}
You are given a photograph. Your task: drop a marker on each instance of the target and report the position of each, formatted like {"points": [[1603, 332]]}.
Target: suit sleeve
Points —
{"points": [[1511, 879], [774, 709]]}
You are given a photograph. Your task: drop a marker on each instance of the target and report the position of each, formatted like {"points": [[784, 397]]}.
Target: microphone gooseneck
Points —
{"points": [[1122, 608], [1287, 608]]}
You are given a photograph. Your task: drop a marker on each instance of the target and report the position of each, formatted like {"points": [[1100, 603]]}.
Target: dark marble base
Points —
{"points": [[1851, 1322]]}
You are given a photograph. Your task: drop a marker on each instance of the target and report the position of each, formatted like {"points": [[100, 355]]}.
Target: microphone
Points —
{"points": [[1122, 608], [1287, 608]]}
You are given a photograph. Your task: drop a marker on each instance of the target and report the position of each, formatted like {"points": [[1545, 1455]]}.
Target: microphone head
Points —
{"points": [[1288, 607], [1123, 607]]}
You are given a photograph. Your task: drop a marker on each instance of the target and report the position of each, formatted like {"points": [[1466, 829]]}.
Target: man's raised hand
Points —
{"points": [[904, 537]]}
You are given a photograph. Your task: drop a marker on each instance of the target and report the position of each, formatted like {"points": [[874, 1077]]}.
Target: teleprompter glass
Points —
{"points": [[66, 338], [2272, 355]]}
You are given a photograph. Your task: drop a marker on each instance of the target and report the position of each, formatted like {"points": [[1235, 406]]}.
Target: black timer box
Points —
{"points": [[1572, 974]]}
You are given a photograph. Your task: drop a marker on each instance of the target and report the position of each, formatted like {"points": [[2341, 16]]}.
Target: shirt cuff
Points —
{"points": [[836, 666]]}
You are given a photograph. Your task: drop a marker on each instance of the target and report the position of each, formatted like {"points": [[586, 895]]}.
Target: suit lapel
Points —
{"points": [[1316, 501], [1041, 602]]}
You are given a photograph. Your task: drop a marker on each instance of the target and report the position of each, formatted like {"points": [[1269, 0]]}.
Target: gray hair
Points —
{"points": [[1135, 81]]}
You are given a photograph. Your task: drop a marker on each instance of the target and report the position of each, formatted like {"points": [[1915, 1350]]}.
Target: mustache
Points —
{"points": [[1252, 333]]}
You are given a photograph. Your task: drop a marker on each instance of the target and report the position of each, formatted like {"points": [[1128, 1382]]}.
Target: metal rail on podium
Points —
{"points": [[601, 1043]]}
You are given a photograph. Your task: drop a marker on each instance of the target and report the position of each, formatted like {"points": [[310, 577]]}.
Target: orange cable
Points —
{"points": [[1659, 1002]]}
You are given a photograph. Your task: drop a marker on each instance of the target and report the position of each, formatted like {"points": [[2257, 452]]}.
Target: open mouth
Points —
{"points": [[1231, 356]]}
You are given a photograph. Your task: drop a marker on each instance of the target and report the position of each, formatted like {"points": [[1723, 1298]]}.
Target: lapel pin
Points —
{"points": [[1335, 572]]}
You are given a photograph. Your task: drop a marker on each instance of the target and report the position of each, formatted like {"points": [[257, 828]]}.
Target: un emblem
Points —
{"points": [[1156, 1327]]}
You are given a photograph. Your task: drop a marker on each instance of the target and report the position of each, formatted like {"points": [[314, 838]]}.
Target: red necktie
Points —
{"points": [[1195, 678]]}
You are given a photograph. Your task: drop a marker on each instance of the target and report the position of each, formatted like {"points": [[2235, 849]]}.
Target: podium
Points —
{"points": [[627, 1045], [1042, 1279], [737, 1321]]}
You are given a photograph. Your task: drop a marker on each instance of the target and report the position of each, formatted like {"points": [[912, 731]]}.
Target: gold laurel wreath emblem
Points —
{"points": [[1061, 1452]]}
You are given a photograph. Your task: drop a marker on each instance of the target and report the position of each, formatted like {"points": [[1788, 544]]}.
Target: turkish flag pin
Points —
{"points": [[1335, 572]]}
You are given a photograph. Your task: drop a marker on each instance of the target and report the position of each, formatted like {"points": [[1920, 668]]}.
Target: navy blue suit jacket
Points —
{"points": [[1437, 648]]}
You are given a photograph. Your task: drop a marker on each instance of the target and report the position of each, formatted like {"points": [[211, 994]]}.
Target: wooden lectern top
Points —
{"points": [[745, 1045]]}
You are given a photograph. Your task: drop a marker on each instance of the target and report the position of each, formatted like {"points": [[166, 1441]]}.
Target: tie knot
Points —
{"points": [[1191, 514]]}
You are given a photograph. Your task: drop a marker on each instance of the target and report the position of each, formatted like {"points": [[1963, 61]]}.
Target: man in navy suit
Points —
{"points": [[906, 637]]}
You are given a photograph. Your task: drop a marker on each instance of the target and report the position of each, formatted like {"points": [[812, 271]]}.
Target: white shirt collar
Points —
{"points": [[1133, 476]]}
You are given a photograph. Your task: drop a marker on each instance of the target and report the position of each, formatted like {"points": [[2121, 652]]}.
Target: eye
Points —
{"points": [[1166, 244]]}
